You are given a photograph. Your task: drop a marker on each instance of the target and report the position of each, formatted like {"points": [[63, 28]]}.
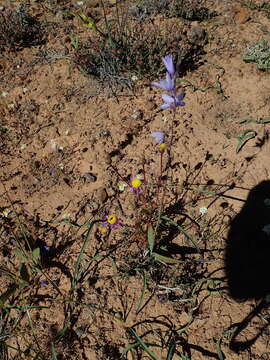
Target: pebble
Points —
{"points": [[137, 114], [104, 133], [150, 105], [101, 195], [107, 159], [89, 177]]}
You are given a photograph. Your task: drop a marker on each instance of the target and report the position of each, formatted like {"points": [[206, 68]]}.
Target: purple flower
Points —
{"points": [[167, 84], [44, 283], [168, 62], [172, 101], [158, 136]]}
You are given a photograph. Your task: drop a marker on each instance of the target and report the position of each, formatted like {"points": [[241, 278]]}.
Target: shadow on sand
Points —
{"points": [[248, 259]]}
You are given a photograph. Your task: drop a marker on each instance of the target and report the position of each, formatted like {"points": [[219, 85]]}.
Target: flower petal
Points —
{"points": [[168, 99], [166, 106], [168, 62], [158, 136], [167, 84]]}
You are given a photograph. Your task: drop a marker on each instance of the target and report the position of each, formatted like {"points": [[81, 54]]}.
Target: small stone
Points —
{"points": [[107, 159], [101, 195], [89, 177], [111, 192], [197, 35], [150, 105], [241, 14], [93, 205], [137, 114], [104, 133]]}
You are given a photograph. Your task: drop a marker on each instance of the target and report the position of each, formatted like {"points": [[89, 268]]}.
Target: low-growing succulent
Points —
{"points": [[259, 53]]}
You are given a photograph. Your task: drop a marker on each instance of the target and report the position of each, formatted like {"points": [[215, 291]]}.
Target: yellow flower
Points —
{"points": [[136, 183], [162, 146], [104, 229], [112, 219]]}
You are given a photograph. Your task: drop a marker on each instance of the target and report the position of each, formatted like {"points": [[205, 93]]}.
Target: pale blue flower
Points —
{"points": [[158, 136], [168, 62], [172, 101]]}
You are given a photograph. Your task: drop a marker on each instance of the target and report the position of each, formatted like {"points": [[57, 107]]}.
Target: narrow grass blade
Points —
{"points": [[54, 354], [220, 353], [170, 221], [140, 305], [247, 135], [78, 271], [165, 259], [171, 350], [142, 344], [151, 238], [247, 120], [264, 121]]}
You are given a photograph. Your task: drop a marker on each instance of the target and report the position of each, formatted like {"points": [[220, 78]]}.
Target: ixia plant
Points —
{"points": [[150, 196]]}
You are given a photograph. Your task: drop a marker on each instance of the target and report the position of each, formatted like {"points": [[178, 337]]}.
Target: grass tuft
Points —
{"points": [[18, 29]]}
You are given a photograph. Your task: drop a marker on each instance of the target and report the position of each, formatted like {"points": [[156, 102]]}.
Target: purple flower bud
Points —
{"points": [[158, 136]]}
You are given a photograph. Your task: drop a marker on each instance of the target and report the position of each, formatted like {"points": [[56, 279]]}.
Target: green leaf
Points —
{"points": [[242, 139], [140, 305], [54, 353], [247, 120], [151, 238], [171, 350], [165, 259], [143, 345], [264, 121], [36, 254], [220, 353], [170, 221], [20, 255]]}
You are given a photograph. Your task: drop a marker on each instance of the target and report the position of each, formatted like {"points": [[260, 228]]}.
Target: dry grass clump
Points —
{"points": [[18, 29]]}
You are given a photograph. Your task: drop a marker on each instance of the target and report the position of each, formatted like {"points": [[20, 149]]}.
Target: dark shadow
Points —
{"points": [[248, 247], [248, 258]]}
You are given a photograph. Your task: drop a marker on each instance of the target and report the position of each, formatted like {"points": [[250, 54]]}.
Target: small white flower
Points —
{"points": [[134, 78], [122, 187], [266, 229], [203, 210]]}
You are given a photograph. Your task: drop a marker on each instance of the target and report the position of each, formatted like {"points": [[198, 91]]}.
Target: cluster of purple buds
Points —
{"points": [[171, 99]]}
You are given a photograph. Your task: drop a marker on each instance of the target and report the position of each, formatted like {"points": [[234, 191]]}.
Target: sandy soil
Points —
{"points": [[66, 144]]}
